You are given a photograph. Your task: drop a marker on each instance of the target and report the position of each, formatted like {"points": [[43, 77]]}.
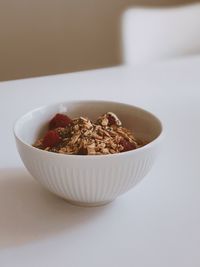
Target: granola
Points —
{"points": [[81, 136]]}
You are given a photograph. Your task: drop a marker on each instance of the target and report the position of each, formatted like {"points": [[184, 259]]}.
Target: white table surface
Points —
{"points": [[157, 224]]}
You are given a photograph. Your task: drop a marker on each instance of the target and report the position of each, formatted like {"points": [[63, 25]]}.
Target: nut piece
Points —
{"points": [[109, 119], [113, 119]]}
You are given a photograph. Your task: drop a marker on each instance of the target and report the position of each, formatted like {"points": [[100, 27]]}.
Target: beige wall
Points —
{"points": [[40, 37]]}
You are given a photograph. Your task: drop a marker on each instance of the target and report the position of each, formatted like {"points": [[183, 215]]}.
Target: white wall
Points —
{"points": [[40, 37]]}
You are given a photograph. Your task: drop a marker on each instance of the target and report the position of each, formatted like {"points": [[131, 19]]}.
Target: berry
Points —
{"points": [[127, 145], [51, 139], [59, 120]]}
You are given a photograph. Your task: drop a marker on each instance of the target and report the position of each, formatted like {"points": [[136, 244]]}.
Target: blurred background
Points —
{"points": [[42, 37]]}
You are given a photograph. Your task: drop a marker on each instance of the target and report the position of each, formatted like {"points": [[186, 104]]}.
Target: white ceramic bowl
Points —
{"points": [[88, 180]]}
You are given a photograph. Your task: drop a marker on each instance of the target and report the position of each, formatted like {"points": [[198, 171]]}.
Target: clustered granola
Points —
{"points": [[80, 136]]}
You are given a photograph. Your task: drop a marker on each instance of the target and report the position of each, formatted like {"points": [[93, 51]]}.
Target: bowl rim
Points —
{"points": [[143, 148]]}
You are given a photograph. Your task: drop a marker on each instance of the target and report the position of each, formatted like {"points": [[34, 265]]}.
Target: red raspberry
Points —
{"points": [[59, 120], [127, 145], [51, 139]]}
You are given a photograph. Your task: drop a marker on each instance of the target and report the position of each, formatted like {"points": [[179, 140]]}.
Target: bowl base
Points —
{"points": [[85, 204]]}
